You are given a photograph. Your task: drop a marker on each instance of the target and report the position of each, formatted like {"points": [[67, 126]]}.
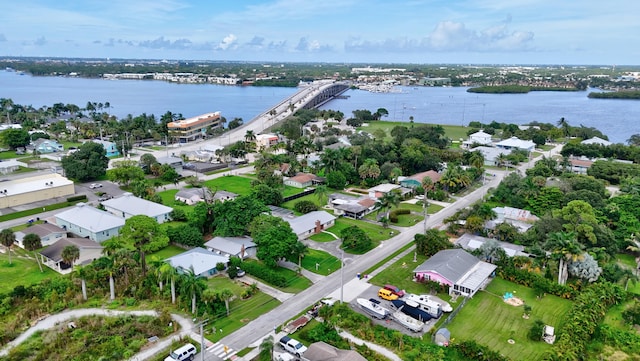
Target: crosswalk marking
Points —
{"points": [[218, 349]]}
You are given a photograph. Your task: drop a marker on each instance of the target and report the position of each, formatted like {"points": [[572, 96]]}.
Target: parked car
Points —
{"points": [[95, 185], [240, 271], [186, 352], [105, 197], [386, 294], [292, 346], [396, 291]]}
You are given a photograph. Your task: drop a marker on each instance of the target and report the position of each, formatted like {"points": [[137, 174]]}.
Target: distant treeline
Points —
{"points": [[515, 89], [626, 94]]}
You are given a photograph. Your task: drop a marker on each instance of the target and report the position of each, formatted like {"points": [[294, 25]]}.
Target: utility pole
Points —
{"points": [[342, 277], [202, 348]]}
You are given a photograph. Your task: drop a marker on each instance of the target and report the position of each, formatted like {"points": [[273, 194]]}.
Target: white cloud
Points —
{"points": [[228, 42]]}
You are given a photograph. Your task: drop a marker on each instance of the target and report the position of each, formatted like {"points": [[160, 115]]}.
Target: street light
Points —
{"points": [[342, 277]]}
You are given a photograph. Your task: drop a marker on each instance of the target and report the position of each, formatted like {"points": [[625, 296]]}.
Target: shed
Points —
{"points": [[442, 337]]}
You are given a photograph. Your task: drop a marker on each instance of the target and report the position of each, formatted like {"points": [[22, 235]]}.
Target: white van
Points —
{"points": [[186, 352]]}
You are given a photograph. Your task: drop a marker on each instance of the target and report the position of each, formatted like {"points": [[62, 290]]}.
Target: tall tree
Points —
{"points": [[7, 238], [225, 295], [70, 254], [88, 162], [32, 242], [565, 247], [192, 285], [169, 274], [146, 234]]}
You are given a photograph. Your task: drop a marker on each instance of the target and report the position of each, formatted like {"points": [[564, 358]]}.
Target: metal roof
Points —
{"points": [[88, 217], [131, 204], [197, 259]]}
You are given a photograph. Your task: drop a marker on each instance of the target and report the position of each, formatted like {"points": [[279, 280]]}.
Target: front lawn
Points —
{"points": [[295, 282], [491, 322], [22, 271], [327, 263], [400, 274], [323, 237], [241, 311], [231, 183], [375, 231], [404, 220]]}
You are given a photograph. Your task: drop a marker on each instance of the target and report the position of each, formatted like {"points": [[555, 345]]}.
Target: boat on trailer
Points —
{"points": [[372, 308]]}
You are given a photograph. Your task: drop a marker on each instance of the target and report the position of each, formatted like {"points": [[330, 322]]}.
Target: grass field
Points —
{"points": [[323, 237], [295, 282], [454, 132], [327, 263], [241, 311], [167, 252], [376, 232], [21, 271], [491, 322]]}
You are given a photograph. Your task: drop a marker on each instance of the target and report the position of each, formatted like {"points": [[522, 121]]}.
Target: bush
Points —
{"points": [[81, 197], [535, 332], [305, 207], [178, 215], [264, 273], [220, 266], [393, 215], [185, 234]]}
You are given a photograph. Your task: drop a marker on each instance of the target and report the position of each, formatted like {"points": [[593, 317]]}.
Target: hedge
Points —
{"points": [[393, 215], [264, 273], [80, 197]]}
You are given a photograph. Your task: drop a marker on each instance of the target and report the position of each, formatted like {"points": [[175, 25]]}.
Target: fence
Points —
{"points": [[299, 195], [450, 318]]}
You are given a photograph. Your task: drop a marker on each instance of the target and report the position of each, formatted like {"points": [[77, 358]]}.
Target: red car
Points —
{"points": [[396, 291]]}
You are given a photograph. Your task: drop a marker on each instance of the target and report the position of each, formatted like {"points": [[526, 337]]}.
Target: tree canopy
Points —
{"points": [[88, 162]]}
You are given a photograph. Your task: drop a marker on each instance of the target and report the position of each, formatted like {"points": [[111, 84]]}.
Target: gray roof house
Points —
{"points": [[129, 205], [199, 260], [472, 242], [48, 233], [597, 140], [516, 143], [321, 351], [461, 271], [86, 221], [311, 223], [192, 196], [242, 247], [52, 255], [491, 154]]}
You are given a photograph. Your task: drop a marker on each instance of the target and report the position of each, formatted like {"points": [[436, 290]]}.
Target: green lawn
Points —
{"points": [[327, 263], [310, 197], [168, 199], [241, 311], [404, 220], [295, 282], [231, 183], [10, 154], [454, 132], [626, 260], [376, 232], [323, 237], [167, 252], [491, 322], [431, 208], [21, 271]]}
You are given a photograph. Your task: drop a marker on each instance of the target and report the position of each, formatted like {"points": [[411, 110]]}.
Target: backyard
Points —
{"points": [[21, 271], [488, 320]]}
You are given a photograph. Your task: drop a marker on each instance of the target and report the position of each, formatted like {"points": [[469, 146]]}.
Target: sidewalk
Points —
{"points": [[271, 291], [377, 348]]}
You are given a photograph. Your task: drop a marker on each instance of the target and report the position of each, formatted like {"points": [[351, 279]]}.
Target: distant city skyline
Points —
{"points": [[585, 32]]}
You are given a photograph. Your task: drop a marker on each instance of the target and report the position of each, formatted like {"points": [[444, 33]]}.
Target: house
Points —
{"points": [[303, 180], [491, 155], [382, 189], [10, 166], [351, 206], [44, 146], [480, 138], [26, 190], [597, 140], [199, 261], [578, 166], [242, 247], [86, 221], [321, 351], [192, 196], [310, 223], [516, 143], [415, 180], [522, 219], [175, 162], [472, 242], [266, 141], [48, 233], [128, 205], [110, 147], [52, 255], [461, 271]]}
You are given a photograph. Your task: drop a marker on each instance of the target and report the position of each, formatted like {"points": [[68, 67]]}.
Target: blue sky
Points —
{"points": [[366, 31]]}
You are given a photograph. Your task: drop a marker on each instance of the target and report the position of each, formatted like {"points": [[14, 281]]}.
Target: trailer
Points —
{"points": [[296, 324], [412, 310]]}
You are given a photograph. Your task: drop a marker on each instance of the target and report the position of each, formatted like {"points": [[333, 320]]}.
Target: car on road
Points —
{"points": [[105, 197], [186, 352], [95, 185]]}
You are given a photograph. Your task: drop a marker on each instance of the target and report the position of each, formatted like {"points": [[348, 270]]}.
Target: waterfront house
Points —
{"points": [[516, 143], [478, 138], [597, 140]]}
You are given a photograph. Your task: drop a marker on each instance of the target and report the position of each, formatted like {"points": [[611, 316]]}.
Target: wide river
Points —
{"points": [[618, 119]]}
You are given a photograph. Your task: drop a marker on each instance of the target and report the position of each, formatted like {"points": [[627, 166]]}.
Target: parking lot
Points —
{"points": [[372, 292], [108, 188]]}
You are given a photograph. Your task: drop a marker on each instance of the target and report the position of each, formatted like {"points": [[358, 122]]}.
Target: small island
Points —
{"points": [[516, 89], [623, 94]]}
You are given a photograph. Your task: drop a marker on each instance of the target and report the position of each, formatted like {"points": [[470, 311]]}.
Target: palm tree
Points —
{"points": [[82, 273], [388, 200], [299, 249], [427, 185], [266, 348], [156, 264], [476, 160], [566, 248], [193, 285], [369, 169], [321, 193], [501, 160], [70, 254], [169, 273], [7, 238], [249, 136], [225, 295], [562, 123]]}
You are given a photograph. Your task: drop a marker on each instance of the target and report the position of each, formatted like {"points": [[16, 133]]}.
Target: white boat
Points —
{"points": [[428, 301], [407, 321], [372, 308]]}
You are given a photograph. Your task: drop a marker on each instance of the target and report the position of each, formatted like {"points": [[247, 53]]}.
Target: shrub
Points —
{"points": [[185, 234], [81, 197], [535, 332], [264, 273], [220, 266], [305, 207], [178, 215], [393, 215]]}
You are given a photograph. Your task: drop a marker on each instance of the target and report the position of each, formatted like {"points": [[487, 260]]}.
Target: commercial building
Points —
{"points": [[186, 130], [33, 189]]}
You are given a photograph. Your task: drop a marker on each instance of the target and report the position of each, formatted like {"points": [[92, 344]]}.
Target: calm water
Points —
{"points": [[616, 118]]}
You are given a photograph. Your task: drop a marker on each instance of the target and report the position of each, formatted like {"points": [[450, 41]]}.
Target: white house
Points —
{"points": [[490, 154], [52, 255], [242, 247], [516, 143], [471, 242], [86, 221], [129, 205], [479, 137], [11, 165], [199, 261], [48, 233], [597, 140], [310, 223]]}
